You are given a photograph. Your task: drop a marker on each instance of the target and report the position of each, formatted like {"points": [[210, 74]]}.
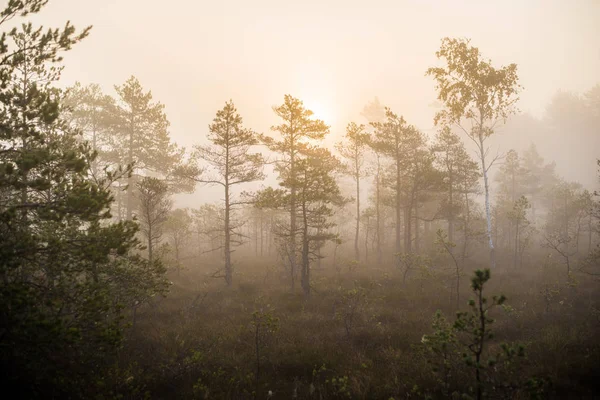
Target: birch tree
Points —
{"points": [[475, 96]]}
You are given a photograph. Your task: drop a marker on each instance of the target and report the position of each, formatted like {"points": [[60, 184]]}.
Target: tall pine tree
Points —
{"points": [[230, 164], [297, 127], [66, 272], [141, 129]]}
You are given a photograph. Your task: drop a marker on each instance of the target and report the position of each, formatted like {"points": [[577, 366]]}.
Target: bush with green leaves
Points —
{"points": [[263, 324], [470, 338], [441, 346], [407, 262], [350, 306]]}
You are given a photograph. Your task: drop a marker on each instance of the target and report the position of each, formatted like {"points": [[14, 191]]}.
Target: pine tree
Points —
{"points": [[374, 113], [540, 176], [420, 180], [460, 174], [388, 141], [564, 221], [67, 273], [297, 127], [88, 109], [353, 147], [230, 164], [178, 228], [512, 176], [511, 179], [141, 130], [208, 224], [518, 217], [316, 193], [405, 147], [470, 336], [154, 208], [591, 264]]}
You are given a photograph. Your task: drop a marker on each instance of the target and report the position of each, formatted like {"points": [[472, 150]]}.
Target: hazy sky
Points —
{"points": [[334, 55]]}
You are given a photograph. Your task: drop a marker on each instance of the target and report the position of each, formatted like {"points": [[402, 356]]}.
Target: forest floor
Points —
{"points": [[359, 335]]}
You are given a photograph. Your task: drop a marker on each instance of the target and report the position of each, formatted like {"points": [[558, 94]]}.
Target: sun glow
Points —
{"points": [[316, 88], [321, 111]]}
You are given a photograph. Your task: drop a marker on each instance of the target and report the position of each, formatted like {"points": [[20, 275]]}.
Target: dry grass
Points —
{"points": [[198, 342]]}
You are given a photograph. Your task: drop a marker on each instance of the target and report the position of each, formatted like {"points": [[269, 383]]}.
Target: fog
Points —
{"points": [[334, 55], [299, 200]]}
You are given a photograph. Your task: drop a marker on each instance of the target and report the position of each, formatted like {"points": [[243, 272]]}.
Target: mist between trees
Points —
{"points": [[320, 286]]}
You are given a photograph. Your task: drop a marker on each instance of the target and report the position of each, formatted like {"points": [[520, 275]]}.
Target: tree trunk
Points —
{"points": [[256, 230], [270, 236], [408, 229], [427, 234], [305, 259], [94, 148], [199, 255], [590, 233], [566, 227], [367, 240], [319, 258], [451, 214], [356, 250], [417, 238], [150, 255], [516, 253], [398, 210], [378, 212], [488, 213], [262, 235], [177, 257], [24, 171], [466, 227], [293, 220], [120, 202], [130, 177], [228, 268]]}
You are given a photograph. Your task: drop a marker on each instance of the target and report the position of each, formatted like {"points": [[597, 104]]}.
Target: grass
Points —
{"points": [[198, 342]]}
